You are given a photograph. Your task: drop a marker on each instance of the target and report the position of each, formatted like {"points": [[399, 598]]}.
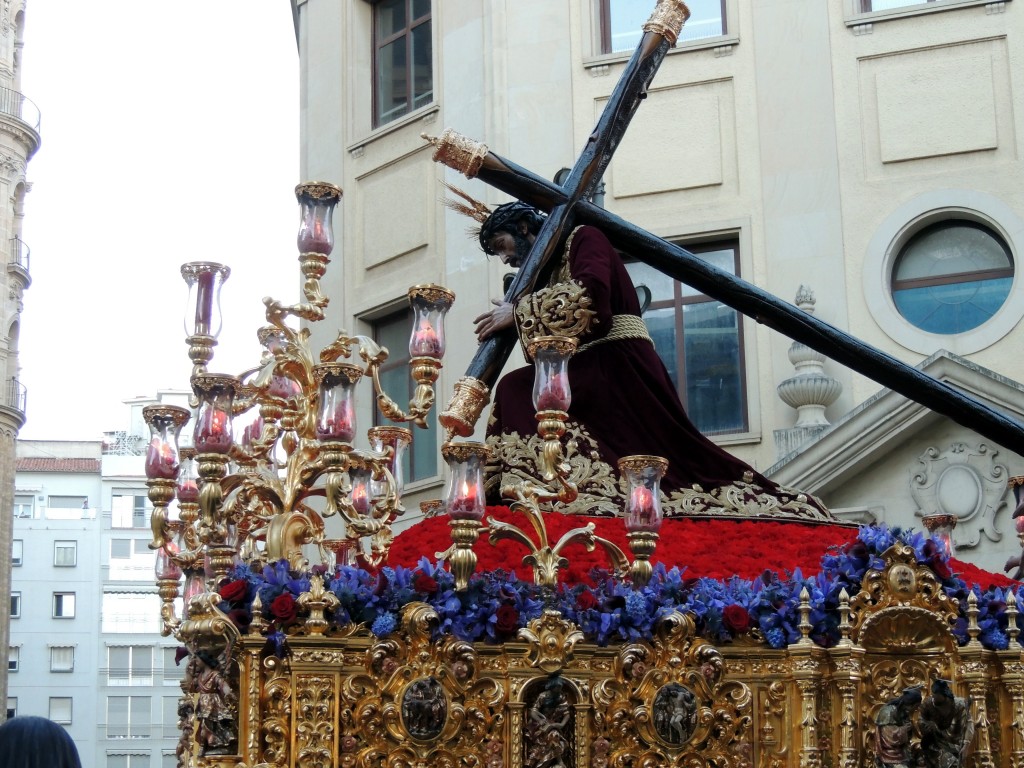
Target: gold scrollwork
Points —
{"points": [[561, 309]]}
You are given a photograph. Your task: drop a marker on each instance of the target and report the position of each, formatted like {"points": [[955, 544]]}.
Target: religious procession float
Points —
{"points": [[576, 614]]}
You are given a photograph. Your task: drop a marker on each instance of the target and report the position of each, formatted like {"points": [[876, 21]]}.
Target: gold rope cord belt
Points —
{"points": [[623, 327]]}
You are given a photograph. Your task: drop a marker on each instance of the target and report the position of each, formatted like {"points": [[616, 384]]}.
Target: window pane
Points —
{"points": [[15, 604], [423, 81], [390, 18], [723, 258], [627, 18], [172, 671], [117, 761], [885, 5], [141, 547], [23, 506], [714, 382], [120, 549], [129, 613], [13, 658], [65, 553], [950, 250], [60, 709], [420, 8], [64, 605], [62, 659], [118, 661], [952, 307], [661, 324], [68, 502], [707, 19], [661, 285], [117, 717], [392, 85], [142, 662], [17, 552], [139, 716]]}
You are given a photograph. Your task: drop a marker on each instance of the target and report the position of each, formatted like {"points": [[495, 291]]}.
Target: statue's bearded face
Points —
{"points": [[511, 248]]}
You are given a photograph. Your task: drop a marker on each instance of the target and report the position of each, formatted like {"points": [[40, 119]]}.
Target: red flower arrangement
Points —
{"points": [[715, 548], [507, 619], [233, 591], [283, 608]]}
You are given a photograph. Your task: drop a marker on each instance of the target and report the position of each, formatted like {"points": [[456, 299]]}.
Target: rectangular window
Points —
{"points": [[393, 332], [60, 709], [622, 22], [12, 707], [62, 658], [402, 58], [68, 502], [128, 613], [128, 717], [63, 605], [169, 760], [170, 718], [129, 508], [65, 553], [13, 658], [15, 605], [130, 665], [23, 505], [17, 552], [700, 340], [120, 549]]}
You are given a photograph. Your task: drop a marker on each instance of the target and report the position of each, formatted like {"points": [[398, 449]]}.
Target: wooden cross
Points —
{"points": [[568, 206]]}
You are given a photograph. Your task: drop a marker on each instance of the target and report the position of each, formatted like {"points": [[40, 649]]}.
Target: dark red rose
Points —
{"points": [[941, 568], [507, 619], [424, 583], [585, 600], [736, 619], [240, 618], [283, 607], [233, 591]]}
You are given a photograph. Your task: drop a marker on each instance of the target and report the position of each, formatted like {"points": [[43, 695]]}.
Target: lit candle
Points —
{"points": [[204, 302], [554, 395], [339, 424], [188, 491], [314, 239], [360, 499], [212, 434], [641, 504], [467, 503], [425, 342], [161, 460]]}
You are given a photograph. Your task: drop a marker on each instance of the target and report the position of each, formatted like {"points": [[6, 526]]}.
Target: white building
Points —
{"points": [[867, 149], [86, 648]]}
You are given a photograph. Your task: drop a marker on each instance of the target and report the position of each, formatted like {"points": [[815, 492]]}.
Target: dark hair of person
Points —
{"points": [[506, 218], [35, 742]]}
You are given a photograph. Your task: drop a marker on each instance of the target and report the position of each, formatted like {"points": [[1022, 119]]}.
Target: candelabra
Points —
{"points": [[266, 491], [552, 397]]}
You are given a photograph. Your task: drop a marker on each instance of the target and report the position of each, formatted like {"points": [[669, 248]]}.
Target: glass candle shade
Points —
{"points": [[399, 439], [213, 430], [551, 355], [336, 412], [165, 423], [166, 568], [316, 212], [464, 497], [940, 527], [188, 480], [430, 304], [361, 490], [202, 309], [643, 497]]}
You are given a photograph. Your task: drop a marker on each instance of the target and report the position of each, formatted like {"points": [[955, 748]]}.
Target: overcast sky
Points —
{"points": [[169, 134]]}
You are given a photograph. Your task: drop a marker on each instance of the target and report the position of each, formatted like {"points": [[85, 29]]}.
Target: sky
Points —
{"points": [[170, 133]]}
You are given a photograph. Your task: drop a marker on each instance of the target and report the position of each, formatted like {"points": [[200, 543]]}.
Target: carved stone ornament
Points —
{"points": [[903, 606], [965, 481]]}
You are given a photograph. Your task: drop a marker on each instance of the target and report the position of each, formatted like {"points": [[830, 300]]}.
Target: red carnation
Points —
{"points": [[283, 607], [941, 568], [234, 591], [585, 600], [507, 619], [424, 583], [736, 618]]}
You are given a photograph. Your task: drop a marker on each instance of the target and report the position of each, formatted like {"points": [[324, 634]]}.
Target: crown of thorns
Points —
{"points": [[501, 219]]}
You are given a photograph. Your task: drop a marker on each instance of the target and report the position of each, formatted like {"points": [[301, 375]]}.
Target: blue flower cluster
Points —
{"points": [[496, 604]]}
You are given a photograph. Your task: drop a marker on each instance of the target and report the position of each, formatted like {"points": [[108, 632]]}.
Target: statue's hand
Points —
{"points": [[494, 321]]}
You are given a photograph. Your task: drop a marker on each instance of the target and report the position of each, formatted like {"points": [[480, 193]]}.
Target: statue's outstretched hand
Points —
{"points": [[494, 321]]}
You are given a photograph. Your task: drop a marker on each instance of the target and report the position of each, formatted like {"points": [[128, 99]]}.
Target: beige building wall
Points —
{"points": [[816, 134]]}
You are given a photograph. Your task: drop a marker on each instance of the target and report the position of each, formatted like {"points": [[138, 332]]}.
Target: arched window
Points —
{"points": [[951, 276]]}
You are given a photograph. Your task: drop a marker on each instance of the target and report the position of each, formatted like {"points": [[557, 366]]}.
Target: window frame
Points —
{"points": [[60, 670], [20, 507], [128, 725], [16, 601], [13, 658], [678, 302], [74, 605], [12, 707], [377, 44], [60, 544], [604, 30], [71, 709], [131, 677], [17, 552]]}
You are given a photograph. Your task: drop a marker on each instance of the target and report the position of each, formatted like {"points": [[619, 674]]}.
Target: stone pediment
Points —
{"points": [[887, 420]]}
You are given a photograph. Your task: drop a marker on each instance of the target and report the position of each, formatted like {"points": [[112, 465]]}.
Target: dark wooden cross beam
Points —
{"points": [[568, 207]]}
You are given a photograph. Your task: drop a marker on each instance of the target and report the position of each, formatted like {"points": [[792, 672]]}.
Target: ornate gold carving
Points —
{"points": [[458, 152], [561, 309], [314, 720], [667, 19], [467, 403], [552, 639], [903, 605], [318, 190]]}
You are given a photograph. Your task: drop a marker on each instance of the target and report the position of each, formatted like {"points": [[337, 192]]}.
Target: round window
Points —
{"points": [[952, 276]]}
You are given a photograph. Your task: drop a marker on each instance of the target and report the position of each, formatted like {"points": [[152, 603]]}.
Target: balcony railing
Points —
{"points": [[15, 395], [17, 104], [20, 253]]}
